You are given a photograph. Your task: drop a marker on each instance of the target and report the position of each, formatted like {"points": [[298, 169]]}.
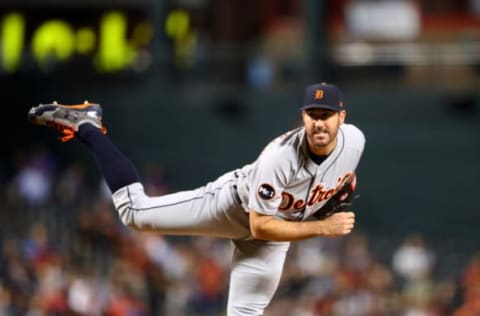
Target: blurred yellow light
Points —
{"points": [[177, 23], [13, 29], [142, 34], [85, 40], [114, 51], [54, 38]]}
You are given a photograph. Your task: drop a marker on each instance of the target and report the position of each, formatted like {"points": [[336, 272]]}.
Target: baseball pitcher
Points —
{"points": [[299, 187]]}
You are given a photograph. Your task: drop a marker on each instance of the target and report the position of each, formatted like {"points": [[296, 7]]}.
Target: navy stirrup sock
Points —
{"points": [[117, 169]]}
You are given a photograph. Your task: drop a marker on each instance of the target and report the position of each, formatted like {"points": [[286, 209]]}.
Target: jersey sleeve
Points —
{"points": [[268, 181], [355, 143]]}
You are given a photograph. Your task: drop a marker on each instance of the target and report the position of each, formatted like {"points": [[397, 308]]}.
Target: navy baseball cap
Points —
{"points": [[322, 96]]}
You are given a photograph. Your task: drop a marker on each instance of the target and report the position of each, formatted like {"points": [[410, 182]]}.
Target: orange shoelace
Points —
{"points": [[67, 132]]}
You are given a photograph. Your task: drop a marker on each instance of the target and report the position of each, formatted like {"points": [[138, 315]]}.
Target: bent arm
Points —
{"points": [[268, 227]]}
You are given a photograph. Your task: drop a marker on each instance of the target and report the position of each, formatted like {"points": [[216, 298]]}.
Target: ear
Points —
{"points": [[303, 115], [342, 115]]}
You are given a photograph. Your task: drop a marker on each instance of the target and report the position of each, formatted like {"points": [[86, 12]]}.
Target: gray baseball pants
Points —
{"points": [[212, 210]]}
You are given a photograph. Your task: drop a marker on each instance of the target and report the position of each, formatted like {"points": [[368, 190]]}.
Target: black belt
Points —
{"points": [[235, 189], [236, 196]]}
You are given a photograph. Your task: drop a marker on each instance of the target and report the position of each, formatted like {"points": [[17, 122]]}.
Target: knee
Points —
{"points": [[127, 217], [126, 202]]}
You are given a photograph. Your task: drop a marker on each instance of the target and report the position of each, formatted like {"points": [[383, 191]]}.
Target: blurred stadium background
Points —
{"points": [[193, 88]]}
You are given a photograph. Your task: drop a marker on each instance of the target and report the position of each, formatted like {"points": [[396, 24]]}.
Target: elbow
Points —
{"points": [[257, 232], [259, 228]]}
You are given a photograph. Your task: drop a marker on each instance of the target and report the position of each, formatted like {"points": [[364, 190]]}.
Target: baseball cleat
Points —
{"points": [[67, 118]]}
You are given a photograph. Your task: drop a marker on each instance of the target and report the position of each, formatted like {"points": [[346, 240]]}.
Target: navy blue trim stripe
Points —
{"points": [[179, 202]]}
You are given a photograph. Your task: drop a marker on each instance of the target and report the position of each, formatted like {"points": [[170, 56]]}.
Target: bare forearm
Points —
{"points": [[271, 228], [280, 230]]}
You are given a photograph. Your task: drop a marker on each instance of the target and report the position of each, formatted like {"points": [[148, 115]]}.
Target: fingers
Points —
{"points": [[347, 216], [348, 222], [341, 223]]}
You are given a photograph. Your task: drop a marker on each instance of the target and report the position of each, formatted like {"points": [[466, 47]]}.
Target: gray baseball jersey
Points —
{"points": [[283, 182], [286, 183]]}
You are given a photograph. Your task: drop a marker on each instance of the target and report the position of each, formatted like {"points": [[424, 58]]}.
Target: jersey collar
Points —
{"points": [[310, 165]]}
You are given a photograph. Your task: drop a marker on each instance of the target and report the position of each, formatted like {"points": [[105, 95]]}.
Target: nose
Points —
{"points": [[318, 123]]}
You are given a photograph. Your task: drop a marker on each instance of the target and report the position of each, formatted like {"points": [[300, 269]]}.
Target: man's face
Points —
{"points": [[321, 126]]}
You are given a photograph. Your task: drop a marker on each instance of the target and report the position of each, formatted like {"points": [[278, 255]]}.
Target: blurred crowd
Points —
{"points": [[63, 251]]}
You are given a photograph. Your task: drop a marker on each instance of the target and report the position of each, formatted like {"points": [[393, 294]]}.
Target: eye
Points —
{"points": [[324, 115]]}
